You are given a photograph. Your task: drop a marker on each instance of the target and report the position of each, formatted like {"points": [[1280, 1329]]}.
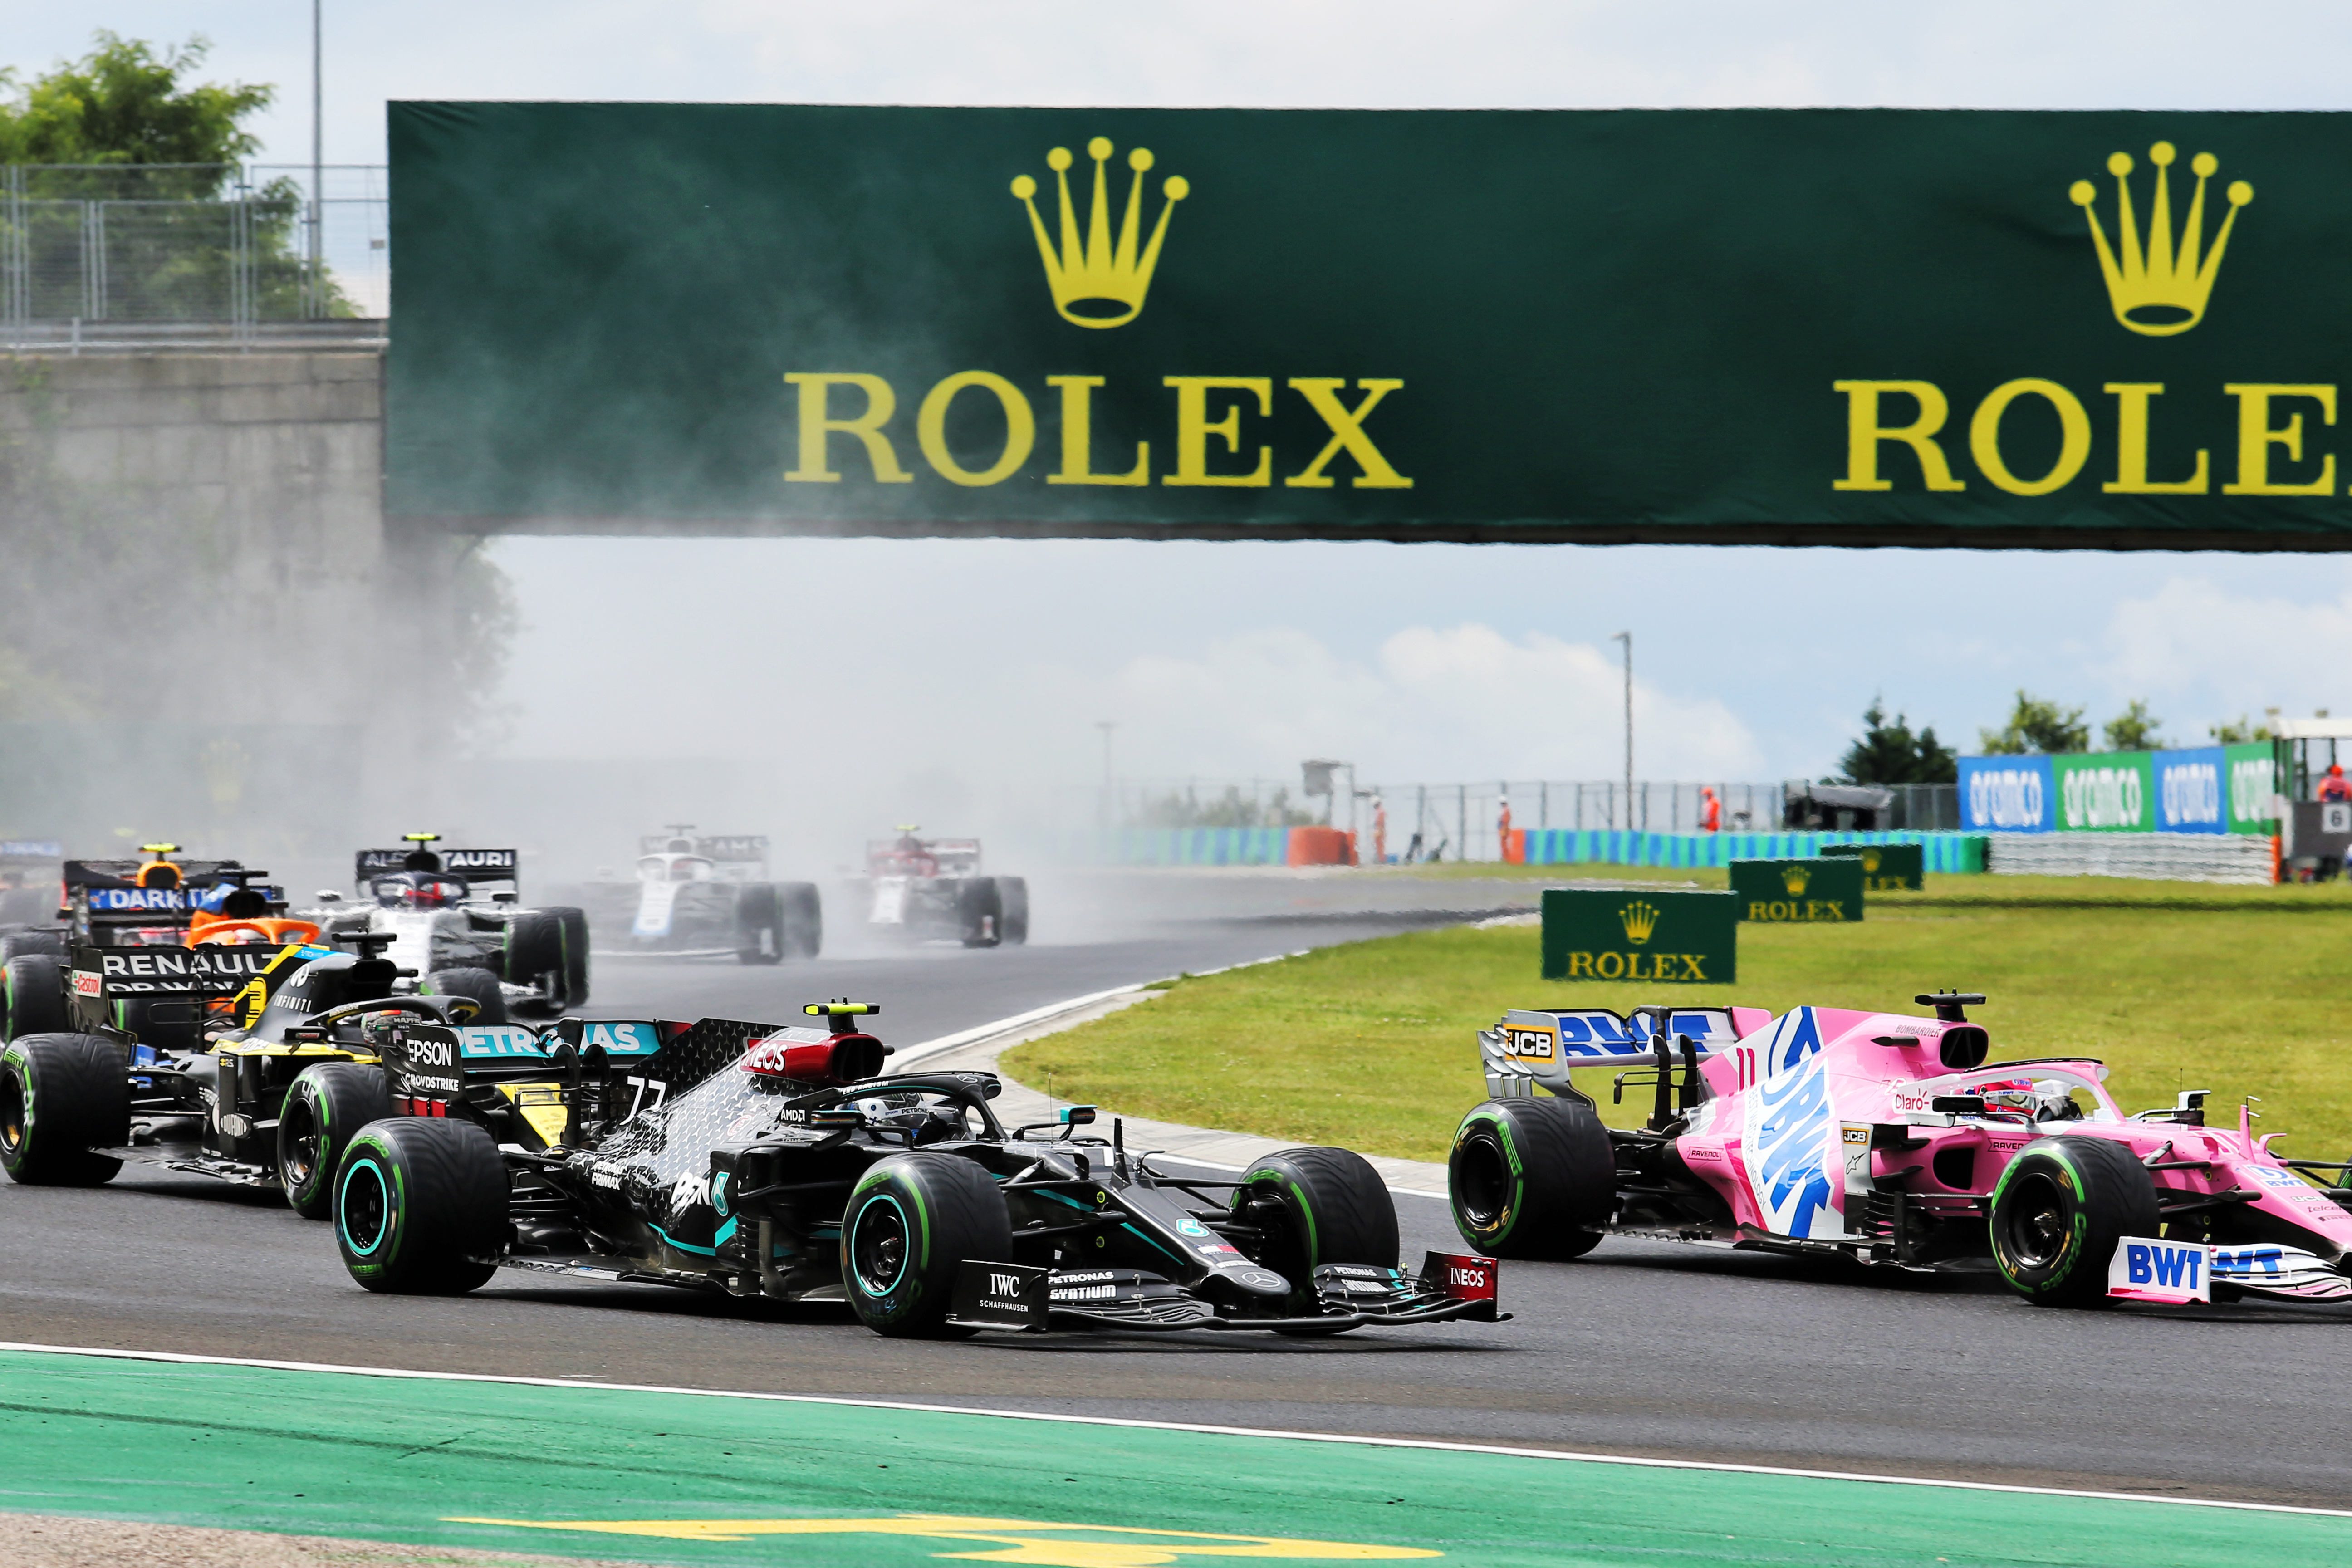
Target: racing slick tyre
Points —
{"points": [[804, 919], [912, 1221], [421, 1206], [327, 1103], [62, 1096], [1314, 1207], [2057, 1212], [1013, 921], [1532, 1178], [573, 923], [980, 912], [31, 997], [759, 925], [478, 985]]}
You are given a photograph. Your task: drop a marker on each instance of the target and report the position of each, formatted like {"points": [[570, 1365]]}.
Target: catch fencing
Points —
{"points": [[100, 256]]}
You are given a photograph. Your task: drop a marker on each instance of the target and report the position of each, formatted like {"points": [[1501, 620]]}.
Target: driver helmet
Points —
{"points": [[2041, 1099]]}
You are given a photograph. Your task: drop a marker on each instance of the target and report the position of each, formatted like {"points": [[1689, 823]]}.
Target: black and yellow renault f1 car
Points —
{"points": [[282, 1071], [758, 1159]]}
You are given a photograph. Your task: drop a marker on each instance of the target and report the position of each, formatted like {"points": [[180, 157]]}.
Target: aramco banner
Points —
{"points": [[1826, 327], [2210, 789]]}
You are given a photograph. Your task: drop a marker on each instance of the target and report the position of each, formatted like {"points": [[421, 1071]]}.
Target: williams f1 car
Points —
{"points": [[285, 1071], [459, 938], [709, 896], [930, 890], [757, 1159], [1889, 1140]]}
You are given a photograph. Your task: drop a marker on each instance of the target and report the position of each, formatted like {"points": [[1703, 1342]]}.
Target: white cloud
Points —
{"points": [[2202, 649]]}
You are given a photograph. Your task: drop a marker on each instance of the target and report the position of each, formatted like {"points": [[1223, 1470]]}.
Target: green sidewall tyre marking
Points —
{"points": [[2078, 1241], [1314, 1245], [1514, 1201]]}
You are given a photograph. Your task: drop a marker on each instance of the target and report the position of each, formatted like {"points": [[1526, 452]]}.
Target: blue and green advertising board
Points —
{"points": [[2207, 789], [2114, 330]]}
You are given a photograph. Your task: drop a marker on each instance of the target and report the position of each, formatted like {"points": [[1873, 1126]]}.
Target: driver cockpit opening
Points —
{"points": [[418, 890]]}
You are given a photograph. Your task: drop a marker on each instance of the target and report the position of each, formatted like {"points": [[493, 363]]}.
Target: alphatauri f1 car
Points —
{"points": [[284, 1072], [930, 890], [759, 1159], [708, 897], [459, 940], [1889, 1140]]}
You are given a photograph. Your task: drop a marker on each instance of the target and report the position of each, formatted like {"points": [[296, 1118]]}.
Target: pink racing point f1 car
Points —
{"points": [[1892, 1141]]}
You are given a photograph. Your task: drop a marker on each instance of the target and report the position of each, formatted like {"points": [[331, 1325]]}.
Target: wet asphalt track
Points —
{"points": [[1639, 1348]]}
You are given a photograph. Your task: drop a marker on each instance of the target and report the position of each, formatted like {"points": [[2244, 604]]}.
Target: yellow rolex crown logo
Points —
{"points": [[1095, 284], [1641, 918], [1794, 879], [1870, 858], [2159, 286]]}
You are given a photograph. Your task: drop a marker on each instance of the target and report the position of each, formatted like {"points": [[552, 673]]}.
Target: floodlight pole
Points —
{"points": [[318, 159], [1627, 638]]}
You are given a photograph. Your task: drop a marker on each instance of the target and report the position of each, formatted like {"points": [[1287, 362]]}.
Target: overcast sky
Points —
{"points": [[1427, 661]]}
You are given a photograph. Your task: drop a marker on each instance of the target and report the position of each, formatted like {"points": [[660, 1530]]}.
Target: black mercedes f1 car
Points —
{"points": [[759, 1159]]}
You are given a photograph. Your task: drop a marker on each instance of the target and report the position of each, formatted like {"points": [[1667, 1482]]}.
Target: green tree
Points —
{"points": [[2135, 729], [125, 104], [2238, 731], [2037, 725], [1890, 753]]}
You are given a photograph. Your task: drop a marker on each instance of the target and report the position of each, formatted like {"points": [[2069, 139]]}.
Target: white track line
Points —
{"points": [[1421, 1443]]}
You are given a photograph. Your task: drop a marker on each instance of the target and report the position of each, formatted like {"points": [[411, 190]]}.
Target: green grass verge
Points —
{"points": [[1369, 1045]]}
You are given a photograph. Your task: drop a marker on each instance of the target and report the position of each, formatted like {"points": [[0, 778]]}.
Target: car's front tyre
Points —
{"points": [[325, 1107], [2057, 1212], [1314, 1207], [912, 1221], [421, 1206]]}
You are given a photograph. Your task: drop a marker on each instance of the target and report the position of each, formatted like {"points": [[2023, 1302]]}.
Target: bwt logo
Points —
{"points": [[2165, 1267], [2006, 797]]}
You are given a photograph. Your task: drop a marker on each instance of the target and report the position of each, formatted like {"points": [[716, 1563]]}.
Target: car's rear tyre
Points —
{"points": [[32, 996], [61, 1096], [803, 912], [912, 1221], [1314, 1207], [2057, 1212], [980, 912], [478, 985], [1532, 1178], [533, 956], [759, 925], [326, 1106], [421, 1206], [573, 925], [1013, 919]]}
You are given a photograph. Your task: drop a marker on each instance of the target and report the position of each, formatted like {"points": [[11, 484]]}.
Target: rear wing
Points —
{"points": [[644, 1061], [101, 976], [106, 889], [474, 865], [955, 856], [1531, 1046], [15, 852], [746, 847]]}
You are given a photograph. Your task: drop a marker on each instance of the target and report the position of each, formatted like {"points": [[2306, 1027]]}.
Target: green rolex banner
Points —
{"points": [[1677, 938], [1812, 892], [1885, 867], [1803, 327]]}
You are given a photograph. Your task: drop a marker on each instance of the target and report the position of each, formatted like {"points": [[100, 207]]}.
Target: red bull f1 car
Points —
{"points": [[785, 1162], [1890, 1139]]}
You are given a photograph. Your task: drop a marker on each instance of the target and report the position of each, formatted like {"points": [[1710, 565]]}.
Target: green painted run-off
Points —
{"points": [[398, 1458]]}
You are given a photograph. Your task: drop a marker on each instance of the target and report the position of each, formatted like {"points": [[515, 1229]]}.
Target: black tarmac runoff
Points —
{"points": [[1639, 1348]]}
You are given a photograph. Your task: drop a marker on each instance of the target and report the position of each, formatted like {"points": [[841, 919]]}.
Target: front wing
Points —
{"points": [[1449, 1288]]}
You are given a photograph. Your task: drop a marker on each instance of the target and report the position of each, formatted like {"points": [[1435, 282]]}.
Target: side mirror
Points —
{"points": [[505, 898], [1076, 1115], [328, 896]]}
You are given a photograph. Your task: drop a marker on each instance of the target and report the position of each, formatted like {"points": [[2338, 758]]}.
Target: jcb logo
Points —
{"points": [[1531, 1043]]}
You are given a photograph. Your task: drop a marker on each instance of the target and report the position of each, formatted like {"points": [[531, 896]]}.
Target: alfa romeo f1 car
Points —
{"points": [[459, 938], [708, 897], [1889, 1140], [930, 890], [284, 1073], [758, 1159]]}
